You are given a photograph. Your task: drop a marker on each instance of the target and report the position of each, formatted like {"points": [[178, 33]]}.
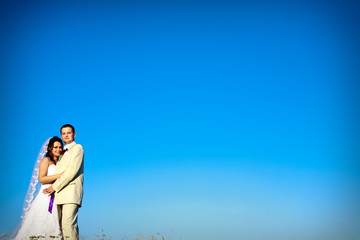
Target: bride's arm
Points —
{"points": [[44, 164]]}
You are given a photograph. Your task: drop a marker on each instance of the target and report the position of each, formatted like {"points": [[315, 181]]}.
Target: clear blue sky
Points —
{"points": [[218, 119]]}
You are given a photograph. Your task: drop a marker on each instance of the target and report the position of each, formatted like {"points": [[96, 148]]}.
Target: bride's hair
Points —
{"points": [[51, 145]]}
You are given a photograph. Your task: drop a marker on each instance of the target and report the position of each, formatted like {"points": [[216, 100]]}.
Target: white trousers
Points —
{"points": [[68, 214]]}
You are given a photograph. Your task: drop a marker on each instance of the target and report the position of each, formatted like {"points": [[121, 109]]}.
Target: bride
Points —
{"points": [[40, 216]]}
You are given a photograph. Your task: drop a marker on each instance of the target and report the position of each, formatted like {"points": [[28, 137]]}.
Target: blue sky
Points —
{"points": [[219, 120]]}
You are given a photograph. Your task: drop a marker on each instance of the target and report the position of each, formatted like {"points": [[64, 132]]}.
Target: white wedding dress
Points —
{"points": [[39, 223]]}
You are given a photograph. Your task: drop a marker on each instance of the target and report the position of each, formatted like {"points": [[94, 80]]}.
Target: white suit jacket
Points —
{"points": [[69, 187]]}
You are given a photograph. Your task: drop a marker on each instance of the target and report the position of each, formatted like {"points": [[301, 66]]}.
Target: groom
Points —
{"points": [[69, 187]]}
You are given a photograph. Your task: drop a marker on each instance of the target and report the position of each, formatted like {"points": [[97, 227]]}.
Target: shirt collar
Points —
{"points": [[69, 145]]}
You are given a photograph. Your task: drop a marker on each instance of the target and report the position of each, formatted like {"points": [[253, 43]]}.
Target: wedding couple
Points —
{"points": [[53, 212]]}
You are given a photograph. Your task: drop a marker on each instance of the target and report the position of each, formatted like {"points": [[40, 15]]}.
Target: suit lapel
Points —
{"points": [[71, 147], [63, 160]]}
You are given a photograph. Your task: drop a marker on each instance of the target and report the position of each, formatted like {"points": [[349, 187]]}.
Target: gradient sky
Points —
{"points": [[217, 119]]}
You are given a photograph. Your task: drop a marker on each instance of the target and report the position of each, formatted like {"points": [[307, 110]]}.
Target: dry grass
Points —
{"points": [[141, 236], [101, 235]]}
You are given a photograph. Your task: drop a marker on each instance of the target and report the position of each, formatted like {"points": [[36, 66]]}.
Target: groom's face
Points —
{"points": [[67, 135]]}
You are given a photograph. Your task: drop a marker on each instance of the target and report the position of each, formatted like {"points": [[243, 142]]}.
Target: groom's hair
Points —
{"points": [[68, 125]]}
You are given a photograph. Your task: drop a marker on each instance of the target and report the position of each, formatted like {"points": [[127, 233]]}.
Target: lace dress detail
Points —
{"points": [[38, 222]]}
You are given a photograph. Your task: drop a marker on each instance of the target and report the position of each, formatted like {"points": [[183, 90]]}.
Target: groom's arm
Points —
{"points": [[72, 169]]}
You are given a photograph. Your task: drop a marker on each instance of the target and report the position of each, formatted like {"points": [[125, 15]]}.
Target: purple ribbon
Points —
{"points": [[51, 202]]}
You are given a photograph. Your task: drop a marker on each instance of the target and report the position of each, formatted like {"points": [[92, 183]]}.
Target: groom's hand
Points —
{"points": [[49, 190]]}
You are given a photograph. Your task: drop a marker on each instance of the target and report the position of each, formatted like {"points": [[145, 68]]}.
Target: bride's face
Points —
{"points": [[57, 149]]}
